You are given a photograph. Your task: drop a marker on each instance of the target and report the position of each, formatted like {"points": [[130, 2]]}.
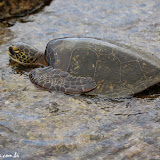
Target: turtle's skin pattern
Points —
{"points": [[23, 53], [58, 80], [115, 72]]}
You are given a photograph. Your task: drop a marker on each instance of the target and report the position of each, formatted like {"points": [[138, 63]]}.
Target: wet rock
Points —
{"points": [[5, 34], [84, 127], [14, 8], [53, 107]]}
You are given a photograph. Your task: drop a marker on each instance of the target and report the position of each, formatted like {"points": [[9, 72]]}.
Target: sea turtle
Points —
{"points": [[78, 65]]}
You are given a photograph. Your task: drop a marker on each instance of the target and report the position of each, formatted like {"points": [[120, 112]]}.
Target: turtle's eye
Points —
{"points": [[15, 49]]}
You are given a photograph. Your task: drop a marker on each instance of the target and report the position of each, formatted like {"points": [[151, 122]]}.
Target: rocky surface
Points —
{"points": [[16, 8], [36, 124]]}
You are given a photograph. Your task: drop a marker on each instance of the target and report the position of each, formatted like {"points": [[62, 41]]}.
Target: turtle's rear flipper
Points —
{"points": [[57, 80]]}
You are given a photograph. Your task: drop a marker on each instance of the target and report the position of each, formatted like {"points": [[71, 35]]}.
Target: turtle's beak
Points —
{"points": [[10, 50], [13, 50]]}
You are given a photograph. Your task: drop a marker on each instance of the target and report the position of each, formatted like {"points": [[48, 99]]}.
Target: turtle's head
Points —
{"points": [[23, 53]]}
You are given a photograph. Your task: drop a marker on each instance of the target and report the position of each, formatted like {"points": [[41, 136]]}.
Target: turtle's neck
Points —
{"points": [[41, 60]]}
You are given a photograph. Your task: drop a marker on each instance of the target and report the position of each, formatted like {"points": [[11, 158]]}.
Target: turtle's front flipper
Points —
{"points": [[57, 80]]}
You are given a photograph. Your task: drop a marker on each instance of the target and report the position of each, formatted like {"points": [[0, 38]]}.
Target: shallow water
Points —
{"points": [[38, 124]]}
